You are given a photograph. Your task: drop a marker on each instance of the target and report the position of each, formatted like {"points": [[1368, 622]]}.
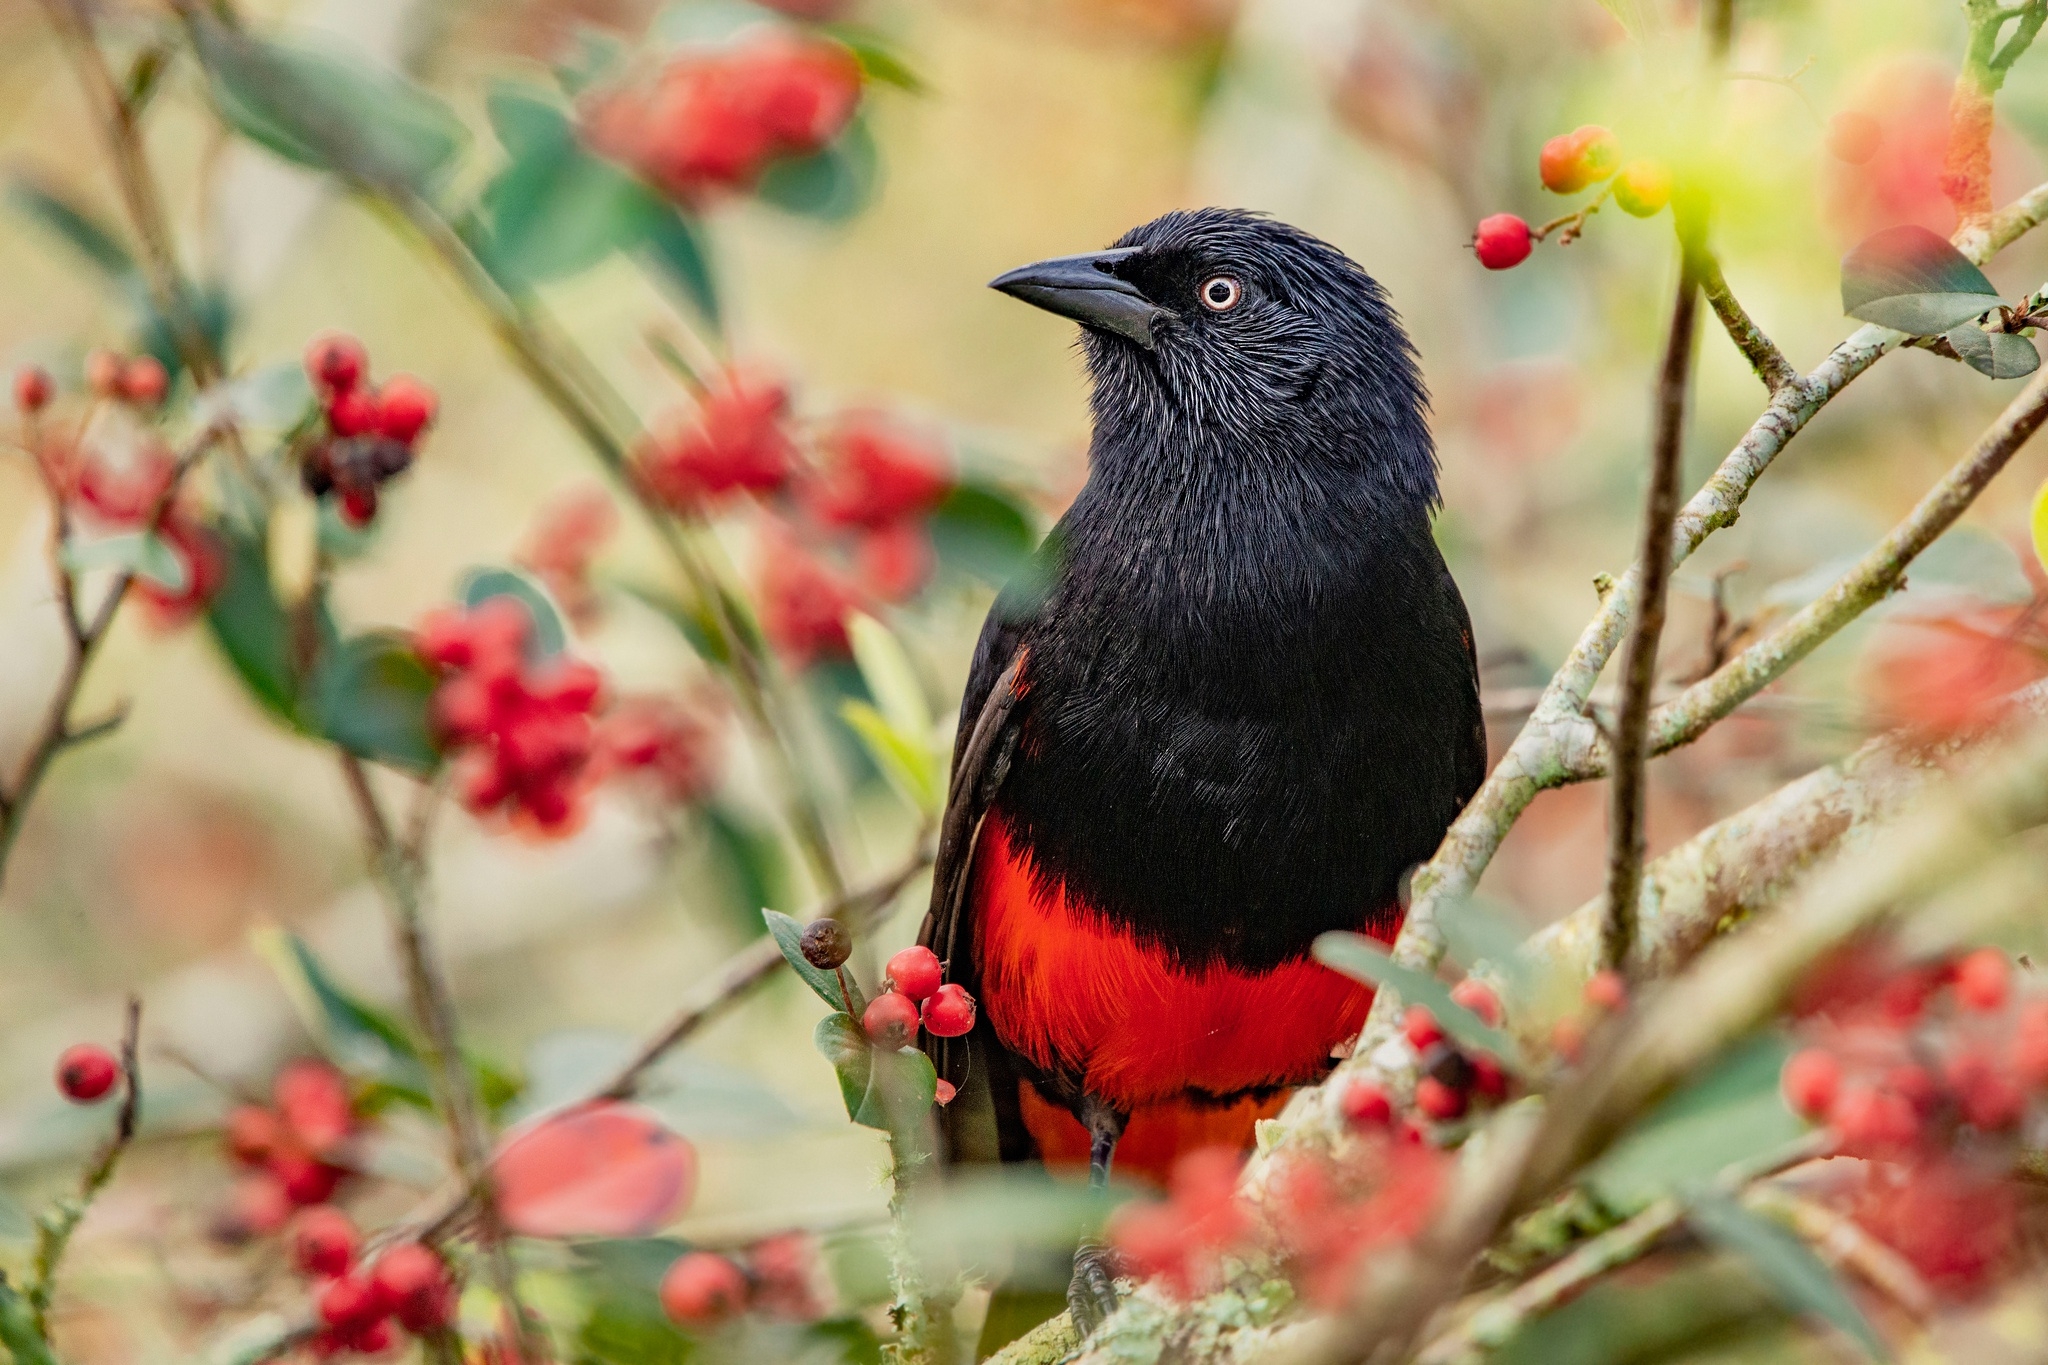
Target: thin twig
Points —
{"points": [[1639, 658], [55, 1227], [1764, 357]]}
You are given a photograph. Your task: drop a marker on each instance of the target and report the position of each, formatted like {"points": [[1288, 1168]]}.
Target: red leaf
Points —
{"points": [[598, 1170]]}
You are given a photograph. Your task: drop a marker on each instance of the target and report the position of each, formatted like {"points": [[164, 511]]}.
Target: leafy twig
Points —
{"points": [[55, 1227]]}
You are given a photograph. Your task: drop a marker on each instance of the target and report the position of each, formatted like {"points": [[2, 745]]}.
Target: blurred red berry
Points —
{"points": [[412, 1283], [253, 1134], [1643, 188], [915, 971], [785, 1277], [336, 362], [944, 1092], [737, 442], [1502, 241], [893, 562], [312, 1098], [258, 1207], [803, 604], [950, 1011], [33, 388], [324, 1241], [103, 371], [1873, 1122], [1810, 1080], [86, 1072], [1571, 161], [668, 742], [875, 473], [353, 412], [1438, 1101], [1607, 992], [347, 1301], [1477, 997], [1420, 1028], [2030, 1044], [1568, 1037], [703, 1290], [371, 1338], [890, 1020], [144, 381], [204, 564], [125, 493], [1983, 980], [1853, 136], [405, 408], [305, 1179], [1489, 1077], [1365, 1105], [563, 543]]}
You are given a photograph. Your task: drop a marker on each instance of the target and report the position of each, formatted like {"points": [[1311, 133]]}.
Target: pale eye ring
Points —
{"points": [[1220, 293]]}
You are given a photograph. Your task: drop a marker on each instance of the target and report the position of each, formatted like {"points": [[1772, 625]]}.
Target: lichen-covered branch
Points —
{"points": [[1966, 164], [1762, 354]]}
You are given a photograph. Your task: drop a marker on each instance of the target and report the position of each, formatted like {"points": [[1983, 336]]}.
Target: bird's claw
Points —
{"points": [[1092, 1293]]}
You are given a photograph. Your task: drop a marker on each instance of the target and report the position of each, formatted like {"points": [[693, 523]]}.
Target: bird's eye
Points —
{"points": [[1220, 293]]}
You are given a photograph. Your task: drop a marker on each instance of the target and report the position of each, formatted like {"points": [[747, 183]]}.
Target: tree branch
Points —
{"points": [[55, 1227], [1764, 357]]}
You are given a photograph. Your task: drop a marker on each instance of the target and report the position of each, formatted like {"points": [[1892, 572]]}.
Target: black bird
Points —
{"points": [[1235, 702]]}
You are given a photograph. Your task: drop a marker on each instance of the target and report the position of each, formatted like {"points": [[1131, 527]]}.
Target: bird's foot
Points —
{"points": [[1092, 1294]]}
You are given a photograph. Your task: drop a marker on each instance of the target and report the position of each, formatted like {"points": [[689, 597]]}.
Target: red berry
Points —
{"points": [[86, 1072], [370, 1338], [1912, 1083], [703, 1290], [1607, 992], [353, 413], [359, 506], [875, 474], [1988, 1098], [258, 1206], [1571, 161], [33, 388], [1489, 1078], [1420, 1026], [1643, 188], [2030, 1044], [944, 1092], [324, 1241], [1983, 980], [253, 1134], [950, 1011], [412, 1282], [144, 381], [405, 407], [347, 1301], [1873, 1122], [890, 1020], [1435, 1100], [335, 362], [103, 370], [1853, 136], [313, 1100], [305, 1180], [1810, 1080], [1502, 241], [1478, 997], [1568, 1037], [1366, 1105], [916, 972]]}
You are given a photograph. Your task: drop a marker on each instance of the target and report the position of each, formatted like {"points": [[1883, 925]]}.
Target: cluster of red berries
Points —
{"points": [[868, 492], [294, 1150], [915, 992], [665, 744], [368, 433], [1569, 163], [86, 1073], [139, 381], [357, 1304], [1179, 1241], [524, 729], [712, 121], [1450, 1078], [704, 1290], [1930, 1070], [562, 546]]}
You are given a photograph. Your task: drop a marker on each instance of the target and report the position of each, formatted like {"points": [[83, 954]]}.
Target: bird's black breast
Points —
{"points": [[1243, 723]]}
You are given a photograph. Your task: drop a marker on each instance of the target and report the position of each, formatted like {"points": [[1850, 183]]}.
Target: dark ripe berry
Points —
{"points": [[103, 370], [890, 1020], [1366, 1105], [944, 1092], [316, 471], [1447, 1064], [949, 1013], [33, 388], [324, 1241], [1810, 1080], [1571, 161], [703, 1290], [1434, 1099], [826, 944], [1502, 241], [1983, 980], [1607, 992], [1643, 188], [253, 1134], [1421, 1029], [145, 381], [348, 1301], [916, 972], [1478, 997], [86, 1072], [405, 407], [372, 1338], [1853, 136], [335, 362], [353, 413]]}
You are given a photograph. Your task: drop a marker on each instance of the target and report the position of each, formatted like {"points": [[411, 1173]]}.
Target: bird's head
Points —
{"points": [[1227, 334]]}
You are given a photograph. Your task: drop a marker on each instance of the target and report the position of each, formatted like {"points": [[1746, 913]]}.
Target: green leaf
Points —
{"points": [[555, 210], [253, 628], [831, 184], [887, 671], [756, 867], [549, 636], [839, 1037], [789, 936], [620, 1281], [275, 398], [909, 765], [1800, 1279], [1914, 281], [312, 105], [984, 1217], [93, 239], [902, 1087], [674, 250], [211, 310], [1361, 959], [18, 1333], [981, 530], [2000, 355], [879, 60], [1731, 1113], [143, 553], [373, 697]]}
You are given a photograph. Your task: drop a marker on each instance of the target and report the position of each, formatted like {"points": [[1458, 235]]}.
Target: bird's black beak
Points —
{"points": [[1084, 289]]}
